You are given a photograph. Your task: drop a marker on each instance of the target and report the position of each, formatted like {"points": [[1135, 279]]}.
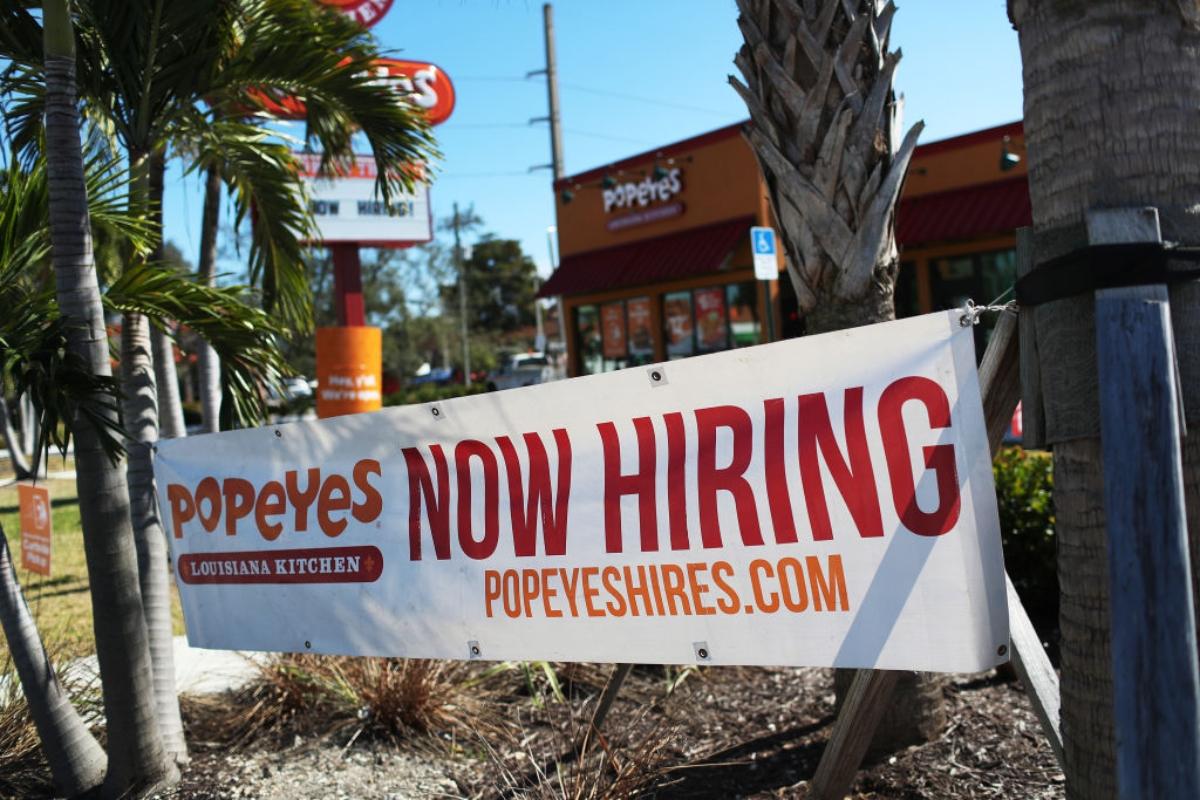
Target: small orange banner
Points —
{"points": [[349, 370], [35, 528]]}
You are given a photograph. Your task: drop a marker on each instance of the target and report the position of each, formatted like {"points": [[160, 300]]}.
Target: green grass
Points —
{"points": [[62, 602]]}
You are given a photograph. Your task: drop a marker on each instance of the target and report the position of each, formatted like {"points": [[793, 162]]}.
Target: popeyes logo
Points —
{"points": [[301, 500], [364, 12], [420, 83]]}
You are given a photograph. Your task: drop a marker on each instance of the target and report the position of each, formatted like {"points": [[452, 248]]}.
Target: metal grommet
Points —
{"points": [[278, 433], [473, 649], [701, 651], [1002, 650], [658, 376], [307, 645]]}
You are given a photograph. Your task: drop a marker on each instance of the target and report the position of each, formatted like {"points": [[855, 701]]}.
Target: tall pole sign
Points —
{"points": [[364, 12], [349, 356]]}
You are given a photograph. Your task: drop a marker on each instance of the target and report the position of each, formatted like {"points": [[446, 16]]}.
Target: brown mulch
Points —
{"points": [[673, 733], [759, 733]]}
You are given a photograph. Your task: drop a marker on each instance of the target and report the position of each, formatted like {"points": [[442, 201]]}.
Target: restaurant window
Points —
{"points": [[712, 323], [742, 302], [678, 327], [641, 330], [710, 319], [590, 339]]}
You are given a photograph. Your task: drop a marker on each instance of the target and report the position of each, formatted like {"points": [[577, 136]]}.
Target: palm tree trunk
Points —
{"points": [[76, 760], [210, 364], [136, 759], [1110, 120], [139, 403], [16, 453], [170, 407], [825, 127]]}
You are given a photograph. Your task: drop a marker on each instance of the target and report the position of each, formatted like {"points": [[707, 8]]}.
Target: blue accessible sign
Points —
{"points": [[766, 260]]}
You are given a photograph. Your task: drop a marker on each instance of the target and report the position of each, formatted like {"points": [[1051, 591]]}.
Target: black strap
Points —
{"points": [[1106, 266]]}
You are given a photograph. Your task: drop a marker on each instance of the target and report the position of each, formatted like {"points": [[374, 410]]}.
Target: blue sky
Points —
{"points": [[634, 75]]}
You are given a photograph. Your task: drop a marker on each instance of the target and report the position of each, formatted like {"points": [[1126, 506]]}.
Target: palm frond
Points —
{"points": [[244, 336], [329, 62], [263, 177]]}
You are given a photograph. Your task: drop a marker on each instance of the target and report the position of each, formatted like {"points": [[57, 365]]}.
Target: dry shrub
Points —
{"points": [[23, 769], [631, 758], [321, 696]]}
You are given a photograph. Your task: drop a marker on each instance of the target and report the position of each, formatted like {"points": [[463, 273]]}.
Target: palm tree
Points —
{"points": [[825, 127], [76, 760], [136, 758], [150, 97], [1110, 119], [35, 361]]}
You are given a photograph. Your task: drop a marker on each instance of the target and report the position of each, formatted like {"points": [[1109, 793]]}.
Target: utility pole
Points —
{"points": [[551, 73], [462, 298], [552, 94]]}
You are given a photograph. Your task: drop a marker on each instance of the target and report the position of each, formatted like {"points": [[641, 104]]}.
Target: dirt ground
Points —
{"points": [[720, 733]]}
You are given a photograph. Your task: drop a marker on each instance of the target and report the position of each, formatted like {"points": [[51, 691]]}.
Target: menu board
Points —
{"points": [[641, 330], [711, 333], [677, 324], [612, 328]]}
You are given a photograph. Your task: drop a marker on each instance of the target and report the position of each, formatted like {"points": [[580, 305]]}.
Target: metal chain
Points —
{"points": [[971, 313]]}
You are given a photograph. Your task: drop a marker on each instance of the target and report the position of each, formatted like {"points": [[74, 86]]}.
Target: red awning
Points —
{"points": [[667, 258], [962, 214]]}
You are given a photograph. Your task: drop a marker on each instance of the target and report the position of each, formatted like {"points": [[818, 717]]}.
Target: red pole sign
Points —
{"points": [[425, 85]]}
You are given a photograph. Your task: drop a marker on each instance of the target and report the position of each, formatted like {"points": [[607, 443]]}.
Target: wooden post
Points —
{"points": [[1035, 671], [857, 721], [1155, 683]]}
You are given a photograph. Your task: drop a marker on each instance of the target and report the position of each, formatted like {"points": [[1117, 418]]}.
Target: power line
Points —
{"points": [[577, 132], [650, 100], [484, 175], [602, 93], [526, 126]]}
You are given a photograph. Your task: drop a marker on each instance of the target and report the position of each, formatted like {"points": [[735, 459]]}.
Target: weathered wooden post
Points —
{"points": [[1155, 683]]}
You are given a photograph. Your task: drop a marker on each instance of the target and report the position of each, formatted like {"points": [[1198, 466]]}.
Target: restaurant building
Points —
{"points": [[655, 258]]}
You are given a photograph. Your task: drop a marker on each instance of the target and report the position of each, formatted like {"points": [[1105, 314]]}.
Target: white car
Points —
{"points": [[522, 369]]}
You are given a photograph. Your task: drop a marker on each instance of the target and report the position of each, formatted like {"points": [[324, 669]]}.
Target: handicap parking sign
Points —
{"points": [[766, 263]]}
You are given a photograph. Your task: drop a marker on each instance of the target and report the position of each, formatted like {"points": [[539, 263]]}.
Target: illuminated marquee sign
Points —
{"points": [[346, 207]]}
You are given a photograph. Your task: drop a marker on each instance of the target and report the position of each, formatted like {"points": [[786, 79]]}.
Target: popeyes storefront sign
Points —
{"points": [[643, 201], [826, 501]]}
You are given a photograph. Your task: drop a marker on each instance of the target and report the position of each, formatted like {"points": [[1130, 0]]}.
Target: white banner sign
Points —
{"points": [[822, 501], [347, 208]]}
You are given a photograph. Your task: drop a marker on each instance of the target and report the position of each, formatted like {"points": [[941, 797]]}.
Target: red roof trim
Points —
{"points": [[967, 139], [666, 151], [675, 148], [965, 213], [647, 262]]}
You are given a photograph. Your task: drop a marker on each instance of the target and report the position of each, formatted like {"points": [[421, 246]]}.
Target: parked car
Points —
{"points": [[521, 369]]}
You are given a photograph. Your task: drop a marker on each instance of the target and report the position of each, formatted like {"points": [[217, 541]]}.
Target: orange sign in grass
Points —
{"points": [[35, 528]]}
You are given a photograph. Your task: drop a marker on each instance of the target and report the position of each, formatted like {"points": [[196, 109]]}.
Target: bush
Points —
{"points": [[431, 393], [1025, 496]]}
